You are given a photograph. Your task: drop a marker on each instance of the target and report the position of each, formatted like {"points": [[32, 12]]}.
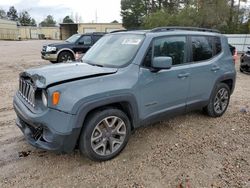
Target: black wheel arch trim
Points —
{"points": [[65, 50], [226, 76], [86, 107]]}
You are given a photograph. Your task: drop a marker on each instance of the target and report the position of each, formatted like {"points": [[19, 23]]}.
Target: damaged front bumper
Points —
{"points": [[51, 130]]}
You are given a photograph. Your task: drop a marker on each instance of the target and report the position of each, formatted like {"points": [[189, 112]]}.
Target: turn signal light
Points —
{"points": [[55, 98]]}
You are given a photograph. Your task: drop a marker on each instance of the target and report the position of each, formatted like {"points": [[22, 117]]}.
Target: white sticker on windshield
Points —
{"points": [[131, 41]]}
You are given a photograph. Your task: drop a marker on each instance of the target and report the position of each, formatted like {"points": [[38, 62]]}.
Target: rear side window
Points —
{"points": [[202, 48], [96, 37], [205, 47]]}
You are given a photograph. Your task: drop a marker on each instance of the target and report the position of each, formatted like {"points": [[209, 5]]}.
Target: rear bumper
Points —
{"points": [[39, 132]]}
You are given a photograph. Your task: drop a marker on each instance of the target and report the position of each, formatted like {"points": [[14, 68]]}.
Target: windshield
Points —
{"points": [[73, 38], [115, 50]]}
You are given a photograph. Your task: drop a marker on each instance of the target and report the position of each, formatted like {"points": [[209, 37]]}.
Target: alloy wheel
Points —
{"points": [[108, 135], [221, 101]]}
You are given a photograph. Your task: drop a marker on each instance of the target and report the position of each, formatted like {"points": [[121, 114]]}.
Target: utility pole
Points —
{"points": [[96, 18]]}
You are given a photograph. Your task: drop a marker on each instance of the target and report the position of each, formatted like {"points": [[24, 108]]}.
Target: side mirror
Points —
{"points": [[161, 63]]}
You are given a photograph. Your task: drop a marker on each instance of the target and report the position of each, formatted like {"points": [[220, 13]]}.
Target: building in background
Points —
{"points": [[8, 30], [68, 29], [27, 32]]}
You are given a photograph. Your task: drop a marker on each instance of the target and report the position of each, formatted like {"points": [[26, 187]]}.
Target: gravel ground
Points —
{"points": [[191, 150]]}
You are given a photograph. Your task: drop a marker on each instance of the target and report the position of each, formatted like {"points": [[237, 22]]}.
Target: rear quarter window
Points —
{"points": [[217, 45]]}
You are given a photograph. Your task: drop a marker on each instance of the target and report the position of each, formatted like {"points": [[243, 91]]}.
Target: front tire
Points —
{"points": [[105, 134], [219, 101], [65, 56]]}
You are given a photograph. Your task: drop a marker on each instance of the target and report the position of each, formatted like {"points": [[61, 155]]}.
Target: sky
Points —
{"points": [[88, 11]]}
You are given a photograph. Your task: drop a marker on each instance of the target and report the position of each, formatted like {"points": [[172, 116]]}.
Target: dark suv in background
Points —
{"points": [[245, 61], [65, 51]]}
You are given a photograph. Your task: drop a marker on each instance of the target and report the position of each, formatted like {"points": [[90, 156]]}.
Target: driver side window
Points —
{"points": [[85, 40], [174, 47]]}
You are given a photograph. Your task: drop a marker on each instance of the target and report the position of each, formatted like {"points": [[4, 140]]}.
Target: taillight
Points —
{"points": [[235, 56]]}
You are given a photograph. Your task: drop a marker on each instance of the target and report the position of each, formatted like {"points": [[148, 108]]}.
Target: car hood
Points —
{"points": [[59, 44], [43, 77]]}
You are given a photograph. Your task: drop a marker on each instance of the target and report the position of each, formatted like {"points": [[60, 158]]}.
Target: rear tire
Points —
{"points": [[219, 101], [105, 134], [65, 56]]}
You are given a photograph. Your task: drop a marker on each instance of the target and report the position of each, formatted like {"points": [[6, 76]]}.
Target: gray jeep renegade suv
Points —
{"points": [[126, 80]]}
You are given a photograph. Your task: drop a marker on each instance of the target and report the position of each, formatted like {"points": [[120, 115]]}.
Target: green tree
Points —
{"points": [[33, 22], [48, 22], [133, 13], [2, 13], [67, 19], [12, 14], [226, 15], [24, 18]]}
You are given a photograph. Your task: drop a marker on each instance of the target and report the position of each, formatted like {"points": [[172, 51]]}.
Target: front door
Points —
{"points": [[83, 44], [164, 91]]}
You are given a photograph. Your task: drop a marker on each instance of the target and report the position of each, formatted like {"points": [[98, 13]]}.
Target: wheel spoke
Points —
{"points": [[118, 129], [114, 120], [97, 134], [108, 135], [102, 144], [106, 123], [225, 95], [216, 102], [217, 108], [113, 142]]}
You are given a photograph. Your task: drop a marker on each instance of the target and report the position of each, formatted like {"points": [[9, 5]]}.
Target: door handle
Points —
{"points": [[183, 75], [215, 68]]}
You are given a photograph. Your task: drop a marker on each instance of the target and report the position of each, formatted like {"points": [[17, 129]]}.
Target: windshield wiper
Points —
{"points": [[93, 64], [97, 65]]}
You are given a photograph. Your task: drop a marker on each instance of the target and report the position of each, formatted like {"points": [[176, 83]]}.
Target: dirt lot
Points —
{"points": [[192, 149]]}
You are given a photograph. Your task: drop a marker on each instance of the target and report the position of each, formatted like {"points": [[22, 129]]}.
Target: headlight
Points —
{"points": [[50, 49], [44, 98]]}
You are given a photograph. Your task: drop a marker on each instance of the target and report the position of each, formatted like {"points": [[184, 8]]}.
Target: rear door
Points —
{"points": [[205, 68]]}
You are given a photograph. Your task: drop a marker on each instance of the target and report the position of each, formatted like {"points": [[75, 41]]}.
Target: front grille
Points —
{"points": [[27, 91]]}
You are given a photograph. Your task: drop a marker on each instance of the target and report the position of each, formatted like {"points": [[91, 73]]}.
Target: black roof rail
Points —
{"points": [[100, 33], [117, 31], [162, 29], [93, 33]]}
